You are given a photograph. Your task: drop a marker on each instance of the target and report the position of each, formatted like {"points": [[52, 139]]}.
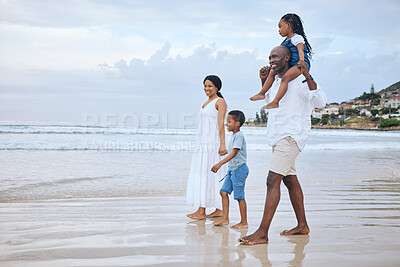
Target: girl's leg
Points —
{"points": [[268, 83], [200, 214], [291, 74], [225, 209], [243, 215]]}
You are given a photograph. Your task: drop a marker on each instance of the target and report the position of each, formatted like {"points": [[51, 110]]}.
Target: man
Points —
{"points": [[287, 132]]}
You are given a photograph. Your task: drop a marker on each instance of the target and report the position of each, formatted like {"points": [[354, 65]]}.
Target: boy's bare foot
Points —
{"points": [[258, 237], [272, 105], [240, 226], [221, 222], [297, 231], [216, 213], [257, 97]]}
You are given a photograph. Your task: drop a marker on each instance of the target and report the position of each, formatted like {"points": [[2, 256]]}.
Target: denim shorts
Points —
{"points": [[235, 181]]}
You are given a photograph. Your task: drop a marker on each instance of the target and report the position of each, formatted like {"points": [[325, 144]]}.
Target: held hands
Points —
{"points": [[303, 67], [216, 167], [222, 150]]}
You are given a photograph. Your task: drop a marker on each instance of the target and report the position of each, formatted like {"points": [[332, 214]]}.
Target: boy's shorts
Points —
{"points": [[284, 156], [235, 181]]}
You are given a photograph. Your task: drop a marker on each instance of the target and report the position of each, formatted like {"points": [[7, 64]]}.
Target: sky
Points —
{"points": [[143, 62]]}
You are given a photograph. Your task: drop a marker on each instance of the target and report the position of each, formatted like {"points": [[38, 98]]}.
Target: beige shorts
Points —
{"points": [[284, 156]]}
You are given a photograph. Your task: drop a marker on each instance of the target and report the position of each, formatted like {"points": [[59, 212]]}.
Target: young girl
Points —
{"points": [[203, 188], [291, 27]]}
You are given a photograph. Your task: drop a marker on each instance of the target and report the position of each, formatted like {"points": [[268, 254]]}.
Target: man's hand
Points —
{"points": [[303, 67], [216, 167], [264, 72]]}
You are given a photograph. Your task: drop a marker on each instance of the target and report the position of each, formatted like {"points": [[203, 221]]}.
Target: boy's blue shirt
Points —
{"points": [[237, 141]]}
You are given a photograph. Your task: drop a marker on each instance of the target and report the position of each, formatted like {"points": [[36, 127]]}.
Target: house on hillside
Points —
{"points": [[393, 102]]}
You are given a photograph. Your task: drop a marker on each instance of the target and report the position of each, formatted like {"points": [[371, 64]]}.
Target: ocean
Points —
{"points": [[68, 161]]}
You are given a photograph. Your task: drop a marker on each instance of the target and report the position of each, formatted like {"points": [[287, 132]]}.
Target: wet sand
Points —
{"points": [[351, 225]]}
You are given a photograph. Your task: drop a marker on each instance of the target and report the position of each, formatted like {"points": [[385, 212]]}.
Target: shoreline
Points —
{"points": [[344, 127]]}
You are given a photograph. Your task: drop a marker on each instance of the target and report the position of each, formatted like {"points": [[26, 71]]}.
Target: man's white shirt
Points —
{"points": [[293, 117]]}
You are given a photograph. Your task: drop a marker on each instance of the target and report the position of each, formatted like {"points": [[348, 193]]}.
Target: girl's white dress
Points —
{"points": [[203, 185]]}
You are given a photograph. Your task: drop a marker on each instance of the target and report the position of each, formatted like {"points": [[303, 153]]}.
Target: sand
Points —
{"points": [[351, 225]]}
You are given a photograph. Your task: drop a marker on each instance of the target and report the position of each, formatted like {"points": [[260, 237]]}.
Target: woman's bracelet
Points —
{"points": [[307, 79]]}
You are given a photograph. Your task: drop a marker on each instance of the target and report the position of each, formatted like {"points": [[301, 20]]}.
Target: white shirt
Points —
{"points": [[293, 117]]}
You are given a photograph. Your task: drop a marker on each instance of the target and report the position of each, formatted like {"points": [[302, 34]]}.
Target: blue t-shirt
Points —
{"points": [[237, 141]]}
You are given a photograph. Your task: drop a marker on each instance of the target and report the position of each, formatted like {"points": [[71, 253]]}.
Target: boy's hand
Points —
{"points": [[216, 167], [303, 67], [264, 72]]}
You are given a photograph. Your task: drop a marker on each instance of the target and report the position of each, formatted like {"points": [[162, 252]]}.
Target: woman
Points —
{"points": [[203, 187]]}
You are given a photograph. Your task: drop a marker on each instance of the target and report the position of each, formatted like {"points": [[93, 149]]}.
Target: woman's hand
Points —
{"points": [[222, 150]]}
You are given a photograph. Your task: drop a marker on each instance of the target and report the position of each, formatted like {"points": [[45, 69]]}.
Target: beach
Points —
{"points": [[76, 196]]}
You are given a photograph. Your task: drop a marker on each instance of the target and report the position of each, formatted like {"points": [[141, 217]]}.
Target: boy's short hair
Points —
{"points": [[237, 116]]}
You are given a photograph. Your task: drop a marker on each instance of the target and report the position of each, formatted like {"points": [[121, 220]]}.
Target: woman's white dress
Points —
{"points": [[203, 185]]}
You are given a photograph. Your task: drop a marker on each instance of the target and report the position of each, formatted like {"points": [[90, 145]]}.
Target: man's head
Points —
{"points": [[279, 59]]}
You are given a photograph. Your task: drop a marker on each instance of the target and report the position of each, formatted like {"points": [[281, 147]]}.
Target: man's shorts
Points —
{"points": [[284, 156], [235, 181]]}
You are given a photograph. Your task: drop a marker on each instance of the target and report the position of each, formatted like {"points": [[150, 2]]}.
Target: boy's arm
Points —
{"points": [[216, 167]]}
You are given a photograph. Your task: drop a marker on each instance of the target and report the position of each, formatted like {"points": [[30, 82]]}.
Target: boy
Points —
{"points": [[237, 170]]}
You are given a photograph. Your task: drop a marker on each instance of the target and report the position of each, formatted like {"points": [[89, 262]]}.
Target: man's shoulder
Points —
{"points": [[297, 82]]}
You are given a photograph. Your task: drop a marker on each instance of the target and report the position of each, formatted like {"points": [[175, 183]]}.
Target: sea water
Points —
{"points": [[40, 162]]}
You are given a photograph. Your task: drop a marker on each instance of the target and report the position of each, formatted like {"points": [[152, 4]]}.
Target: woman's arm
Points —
{"points": [[221, 107]]}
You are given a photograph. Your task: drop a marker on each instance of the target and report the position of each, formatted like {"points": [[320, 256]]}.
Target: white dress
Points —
{"points": [[203, 185]]}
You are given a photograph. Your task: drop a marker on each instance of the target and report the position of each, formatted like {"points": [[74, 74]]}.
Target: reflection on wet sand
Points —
{"points": [[351, 225]]}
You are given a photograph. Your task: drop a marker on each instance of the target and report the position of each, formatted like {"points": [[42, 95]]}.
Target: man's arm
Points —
{"points": [[317, 97]]}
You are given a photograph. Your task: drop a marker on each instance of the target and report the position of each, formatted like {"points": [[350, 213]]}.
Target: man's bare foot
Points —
{"points": [[240, 226], [221, 222], [216, 213], [258, 237], [297, 231], [257, 97], [272, 105]]}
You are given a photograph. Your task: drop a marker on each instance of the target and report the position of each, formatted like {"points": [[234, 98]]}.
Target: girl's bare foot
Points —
{"points": [[272, 105], [257, 97], [297, 231], [258, 237], [216, 213], [221, 222], [240, 226]]}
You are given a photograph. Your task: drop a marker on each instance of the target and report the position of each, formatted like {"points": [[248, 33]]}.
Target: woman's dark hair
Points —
{"points": [[216, 81], [297, 26], [237, 116]]}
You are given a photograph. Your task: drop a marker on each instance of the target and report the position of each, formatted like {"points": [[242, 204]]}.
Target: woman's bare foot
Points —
{"points": [[240, 226], [297, 231], [216, 213], [271, 105], [200, 214], [258, 237], [221, 222], [196, 216], [257, 97]]}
